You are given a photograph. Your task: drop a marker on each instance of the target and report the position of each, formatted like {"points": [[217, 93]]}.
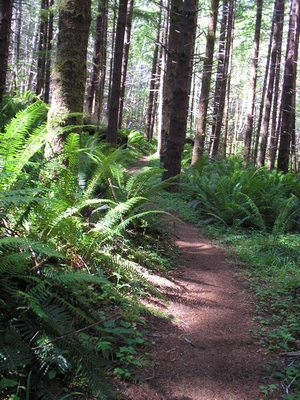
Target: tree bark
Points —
{"points": [[289, 90], [253, 79], [222, 74], [162, 73], [173, 41], [151, 108], [5, 23], [206, 80], [276, 43], [43, 40], [112, 127], [178, 122], [49, 52], [99, 61], [125, 60], [69, 70]]}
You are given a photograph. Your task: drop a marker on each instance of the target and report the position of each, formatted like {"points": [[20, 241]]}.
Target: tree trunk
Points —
{"points": [[94, 79], [262, 101], [69, 70], [49, 53], [162, 73], [125, 60], [289, 89], [173, 40], [112, 127], [150, 116], [43, 40], [178, 122], [276, 44], [5, 23], [206, 80], [253, 79], [99, 93], [222, 74]]}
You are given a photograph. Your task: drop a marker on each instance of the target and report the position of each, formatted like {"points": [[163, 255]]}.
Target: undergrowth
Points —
{"points": [[254, 215], [77, 233]]}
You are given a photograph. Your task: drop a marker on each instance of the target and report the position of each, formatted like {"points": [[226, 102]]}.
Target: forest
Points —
{"points": [[206, 92]]}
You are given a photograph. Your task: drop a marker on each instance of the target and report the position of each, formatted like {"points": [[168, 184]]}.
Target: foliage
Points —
{"points": [[254, 215], [70, 273], [235, 195]]}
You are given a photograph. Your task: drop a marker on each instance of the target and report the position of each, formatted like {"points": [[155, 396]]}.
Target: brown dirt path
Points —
{"points": [[205, 352]]}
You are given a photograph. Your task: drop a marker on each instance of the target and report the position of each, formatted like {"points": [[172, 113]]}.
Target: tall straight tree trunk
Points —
{"points": [[43, 41], [112, 51], [5, 23], [151, 108], [289, 90], [100, 90], [227, 101], [206, 80], [274, 65], [69, 70], [112, 126], [49, 52], [262, 101], [222, 74], [94, 79], [125, 60], [162, 73], [275, 123], [179, 116], [253, 79], [274, 134], [173, 40]]}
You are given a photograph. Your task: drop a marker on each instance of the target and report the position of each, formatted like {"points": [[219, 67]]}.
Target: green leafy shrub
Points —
{"points": [[70, 274]]}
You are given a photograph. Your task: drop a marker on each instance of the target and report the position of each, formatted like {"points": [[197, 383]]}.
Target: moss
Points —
{"points": [[69, 70]]}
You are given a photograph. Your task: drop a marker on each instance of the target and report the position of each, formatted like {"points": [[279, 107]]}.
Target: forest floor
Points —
{"points": [[205, 350]]}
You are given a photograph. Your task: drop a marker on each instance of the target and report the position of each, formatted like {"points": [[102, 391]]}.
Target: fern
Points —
{"points": [[23, 137], [288, 210]]}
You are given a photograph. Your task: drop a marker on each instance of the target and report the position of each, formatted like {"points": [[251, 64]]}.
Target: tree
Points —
{"points": [[287, 108], [96, 64], [172, 49], [44, 51], [125, 60], [179, 115], [225, 45], [162, 73], [112, 127], [206, 80], [151, 108], [5, 22], [274, 67], [253, 79], [69, 70]]}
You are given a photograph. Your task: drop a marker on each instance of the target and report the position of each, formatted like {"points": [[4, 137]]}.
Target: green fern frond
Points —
{"points": [[15, 133], [145, 182], [288, 210], [108, 167], [249, 209]]}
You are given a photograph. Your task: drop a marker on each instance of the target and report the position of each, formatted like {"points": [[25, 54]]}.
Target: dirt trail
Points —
{"points": [[205, 352]]}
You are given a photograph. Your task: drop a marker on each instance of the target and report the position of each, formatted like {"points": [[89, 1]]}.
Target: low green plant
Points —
{"points": [[73, 256]]}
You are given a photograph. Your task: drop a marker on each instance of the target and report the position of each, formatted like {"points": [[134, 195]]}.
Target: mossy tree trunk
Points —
{"points": [[173, 40], [182, 85], [289, 90], [206, 82], [69, 70], [5, 22], [112, 126]]}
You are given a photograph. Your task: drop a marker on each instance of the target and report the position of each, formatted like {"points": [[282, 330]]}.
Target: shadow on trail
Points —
{"points": [[204, 351]]}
